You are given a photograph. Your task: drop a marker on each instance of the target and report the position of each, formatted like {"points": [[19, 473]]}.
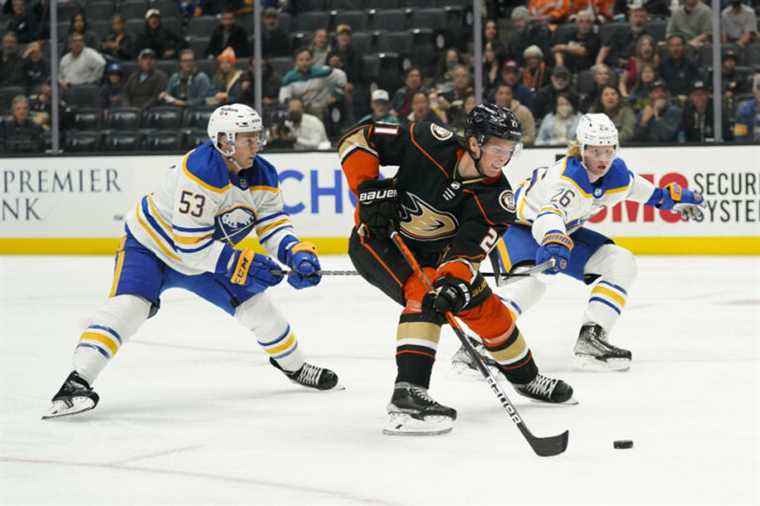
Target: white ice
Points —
{"points": [[192, 413]]}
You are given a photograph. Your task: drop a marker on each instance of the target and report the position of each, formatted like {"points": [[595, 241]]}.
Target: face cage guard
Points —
{"points": [[231, 138]]}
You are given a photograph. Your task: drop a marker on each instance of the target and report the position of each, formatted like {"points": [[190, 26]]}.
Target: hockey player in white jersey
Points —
{"points": [[552, 206], [183, 235]]}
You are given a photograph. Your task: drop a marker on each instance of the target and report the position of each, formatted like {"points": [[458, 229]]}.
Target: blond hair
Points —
{"points": [[573, 149]]}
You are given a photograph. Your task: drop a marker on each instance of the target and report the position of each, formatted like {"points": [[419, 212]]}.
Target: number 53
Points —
{"points": [[185, 204]]}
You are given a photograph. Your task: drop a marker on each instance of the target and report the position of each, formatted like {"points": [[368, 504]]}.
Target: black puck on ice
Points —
{"points": [[622, 444]]}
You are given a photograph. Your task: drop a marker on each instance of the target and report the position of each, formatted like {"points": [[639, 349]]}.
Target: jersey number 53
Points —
{"points": [[191, 203]]}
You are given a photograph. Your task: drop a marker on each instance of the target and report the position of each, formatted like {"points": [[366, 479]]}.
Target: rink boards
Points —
{"points": [[76, 205]]}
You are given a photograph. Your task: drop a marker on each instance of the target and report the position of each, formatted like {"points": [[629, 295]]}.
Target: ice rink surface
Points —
{"points": [[192, 413]]}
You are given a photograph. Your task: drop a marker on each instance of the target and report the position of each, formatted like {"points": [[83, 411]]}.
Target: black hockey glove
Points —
{"points": [[378, 205], [451, 294]]}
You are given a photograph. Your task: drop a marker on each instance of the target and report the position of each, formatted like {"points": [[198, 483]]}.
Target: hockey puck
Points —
{"points": [[622, 444]]}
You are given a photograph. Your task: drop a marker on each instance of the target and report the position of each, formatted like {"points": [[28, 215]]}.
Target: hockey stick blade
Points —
{"points": [[548, 446]]}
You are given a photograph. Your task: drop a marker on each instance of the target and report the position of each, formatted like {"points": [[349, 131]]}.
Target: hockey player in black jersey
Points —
{"points": [[451, 202]]}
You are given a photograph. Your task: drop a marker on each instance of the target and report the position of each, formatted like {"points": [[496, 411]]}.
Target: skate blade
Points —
{"points": [[591, 364], [572, 401], [402, 424], [60, 408]]}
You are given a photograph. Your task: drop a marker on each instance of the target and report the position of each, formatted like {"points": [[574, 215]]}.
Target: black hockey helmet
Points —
{"points": [[490, 120]]}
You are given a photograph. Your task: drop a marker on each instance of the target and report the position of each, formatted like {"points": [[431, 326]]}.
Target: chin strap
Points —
{"points": [[472, 155]]}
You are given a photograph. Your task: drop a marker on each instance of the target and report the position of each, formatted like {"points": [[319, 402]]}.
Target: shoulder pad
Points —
{"points": [[204, 166], [264, 173]]}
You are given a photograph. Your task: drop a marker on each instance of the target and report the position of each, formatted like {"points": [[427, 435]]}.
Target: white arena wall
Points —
{"points": [[76, 205]]}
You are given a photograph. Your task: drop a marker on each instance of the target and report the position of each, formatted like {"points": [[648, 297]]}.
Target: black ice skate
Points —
{"points": [[545, 389], [413, 412], [463, 364], [593, 352], [75, 396], [310, 376]]}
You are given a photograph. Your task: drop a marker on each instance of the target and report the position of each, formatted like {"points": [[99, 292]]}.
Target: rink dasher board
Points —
{"points": [[77, 205]]}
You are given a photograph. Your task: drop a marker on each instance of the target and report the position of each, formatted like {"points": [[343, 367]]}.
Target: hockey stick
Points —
{"points": [[529, 272], [543, 446]]}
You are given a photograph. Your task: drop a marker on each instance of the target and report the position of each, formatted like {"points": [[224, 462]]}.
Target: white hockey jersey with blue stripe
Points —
{"points": [[201, 210]]}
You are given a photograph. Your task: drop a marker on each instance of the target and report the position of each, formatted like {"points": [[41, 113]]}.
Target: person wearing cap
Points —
{"points": [[621, 43], [534, 74], [692, 20], [353, 64], [162, 41], [504, 97], [228, 34], [676, 69], [146, 84], [274, 40], [316, 85], [738, 24], [510, 75], [560, 81], [226, 85], [698, 123], [660, 121], [747, 126], [189, 87], [381, 109], [81, 65], [577, 49], [119, 44], [112, 90], [734, 82]]}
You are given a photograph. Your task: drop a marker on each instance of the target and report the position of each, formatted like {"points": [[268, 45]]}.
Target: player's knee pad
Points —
{"points": [[122, 313], [614, 264], [259, 315], [415, 290], [524, 294]]}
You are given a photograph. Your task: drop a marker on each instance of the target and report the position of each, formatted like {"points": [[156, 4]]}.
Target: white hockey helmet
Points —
{"points": [[230, 120], [596, 130]]}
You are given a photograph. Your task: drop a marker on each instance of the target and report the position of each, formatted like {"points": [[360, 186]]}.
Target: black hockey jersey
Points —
{"points": [[440, 212]]}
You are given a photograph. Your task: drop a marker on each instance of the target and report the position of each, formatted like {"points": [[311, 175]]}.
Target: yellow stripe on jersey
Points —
{"points": [[506, 261], [284, 346], [119, 266], [100, 338], [153, 235], [265, 188], [270, 226], [169, 230], [198, 180], [618, 189], [607, 292]]}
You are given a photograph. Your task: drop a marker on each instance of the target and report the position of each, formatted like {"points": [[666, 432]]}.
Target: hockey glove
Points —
{"points": [[254, 271], [378, 206], [451, 294], [556, 245], [304, 264], [679, 200]]}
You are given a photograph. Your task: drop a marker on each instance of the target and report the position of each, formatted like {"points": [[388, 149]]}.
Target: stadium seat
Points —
{"points": [[286, 21], [357, 20], [657, 28], [390, 77], [201, 26], [299, 39], [136, 27], [82, 141], [607, 29], [100, 11], [564, 30], [281, 65], [585, 83], [423, 42], [311, 5], [163, 118], [752, 55], [362, 42], [386, 4], [168, 8], [205, 65], [706, 55], [193, 138], [388, 19], [133, 9], [198, 45], [197, 117], [371, 67], [123, 118], [311, 21], [168, 66], [6, 97], [163, 141], [347, 5], [395, 42], [82, 95], [85, 118], [435, 19], [122, 140], [174, 25], [101, 27]]}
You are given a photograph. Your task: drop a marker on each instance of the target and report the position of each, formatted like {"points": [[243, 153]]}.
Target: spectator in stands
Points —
{"points": [[119, 44], [23, 23], [452, 102], [491, 36], [645, 53], [164, 43], [320, 46], [381, 109], [39, 105], [402, 99], [421, 111], [11, 65], [747, 126], [352, 61], [660, 121], [189, 87], [270, 82], [274, 40], [21, 134], [547, 96], [146, 84], [577, 50], [36, 70], [639, 95], [549, 11], [558, 127], [504, 98], [535, 73], [693, 21], [603, 76], [445, 78], [226, 84], [510, 75], [676, 69], [621, 43], [82, 65], [526, 33], [698, 123], [733, 82], [739, 24], [317, 86], [228, 34], [78, 24], [604, 10], [491, 67], [611, 103], [112, 90], [307, 131]]}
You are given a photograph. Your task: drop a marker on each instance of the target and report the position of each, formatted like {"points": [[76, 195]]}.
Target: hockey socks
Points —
{"points": [[416, 344]]}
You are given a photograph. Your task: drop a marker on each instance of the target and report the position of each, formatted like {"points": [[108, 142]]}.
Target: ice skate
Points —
{"points": [[414, 413], [311, 376], [594, 353], [463, 365], [75, 396], [545, 389]]}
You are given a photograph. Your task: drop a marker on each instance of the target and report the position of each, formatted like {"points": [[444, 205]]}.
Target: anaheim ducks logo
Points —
{"points": [[507, 201], [423, 222]]}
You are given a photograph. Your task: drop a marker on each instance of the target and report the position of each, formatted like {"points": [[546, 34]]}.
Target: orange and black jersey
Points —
{"points": [[440, 212]]}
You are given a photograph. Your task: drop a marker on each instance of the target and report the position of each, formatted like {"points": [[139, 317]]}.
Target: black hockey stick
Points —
{"points": [[543, 446], [529, 272]]}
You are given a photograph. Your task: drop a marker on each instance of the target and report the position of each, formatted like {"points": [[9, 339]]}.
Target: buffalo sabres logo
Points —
{"points": [[440, 133], [423, 222], [234, 224], [507, 201]]}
